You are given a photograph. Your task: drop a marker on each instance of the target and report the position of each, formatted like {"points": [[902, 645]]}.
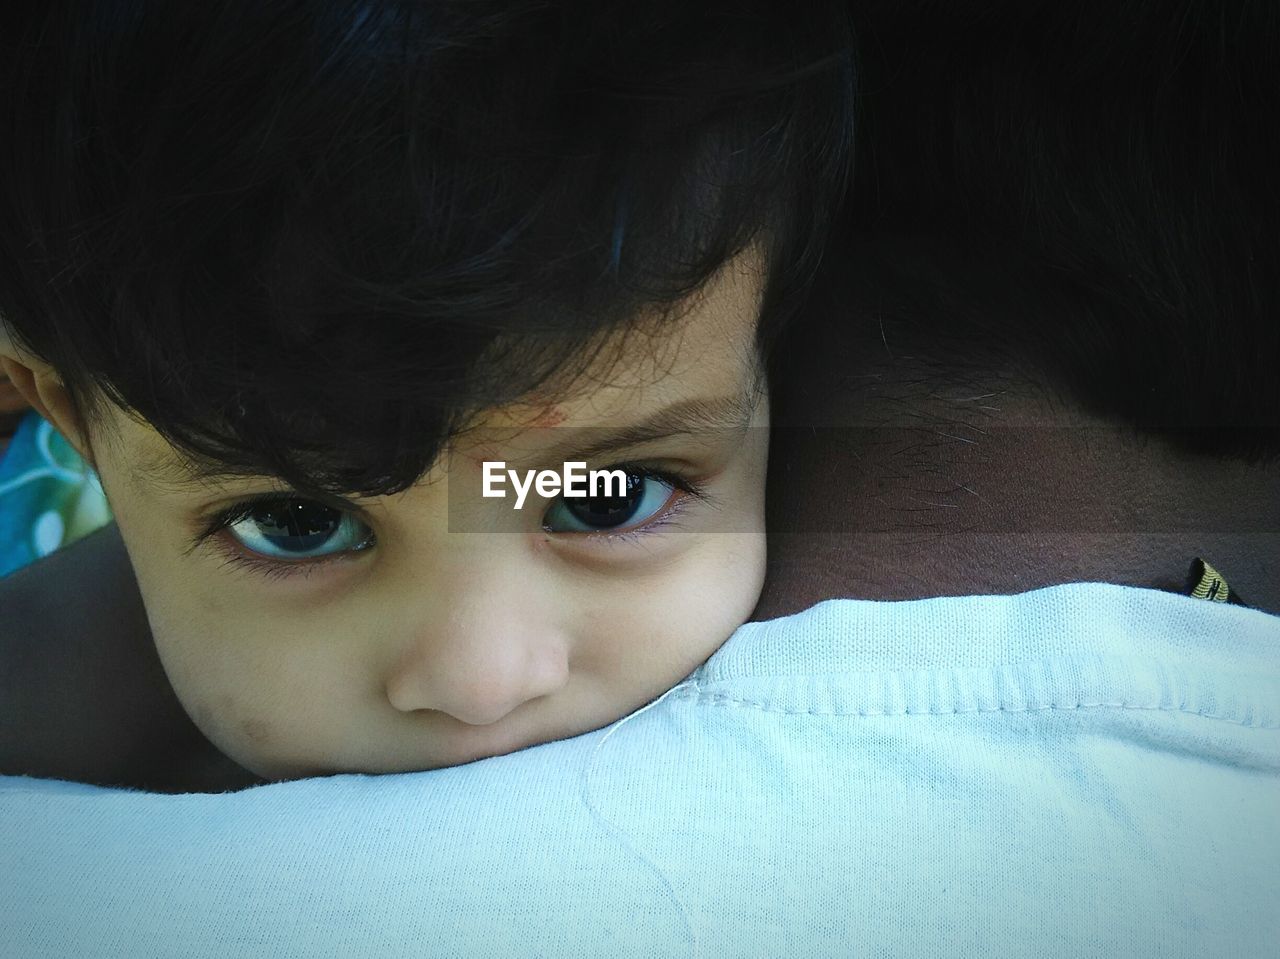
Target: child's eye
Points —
{"points": [[279, 527], [647, 492]]}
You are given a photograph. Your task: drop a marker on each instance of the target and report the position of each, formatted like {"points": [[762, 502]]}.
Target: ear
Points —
{"points": [[39, 384]]}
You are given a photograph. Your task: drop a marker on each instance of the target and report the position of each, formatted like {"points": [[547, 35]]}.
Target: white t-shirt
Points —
{"points": [[1081, 770]]}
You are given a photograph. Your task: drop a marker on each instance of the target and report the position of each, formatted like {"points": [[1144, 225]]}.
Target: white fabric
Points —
{"points": [[1082, 770]]}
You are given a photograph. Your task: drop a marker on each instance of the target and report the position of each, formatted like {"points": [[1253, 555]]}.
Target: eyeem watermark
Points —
{"points": [[575, 480]]}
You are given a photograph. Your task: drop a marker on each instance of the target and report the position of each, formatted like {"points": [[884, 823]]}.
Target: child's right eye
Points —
{"points": [[284, 534], [296, 529]]}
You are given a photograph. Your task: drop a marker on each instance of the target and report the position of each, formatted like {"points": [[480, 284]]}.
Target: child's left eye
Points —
{"points": [[645, 495]]}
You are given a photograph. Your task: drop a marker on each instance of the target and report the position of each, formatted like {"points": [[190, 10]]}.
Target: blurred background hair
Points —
{"points": [[1088, 187]]}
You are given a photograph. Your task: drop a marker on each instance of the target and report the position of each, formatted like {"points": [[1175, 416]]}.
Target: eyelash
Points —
{"points": [[277, 569]]}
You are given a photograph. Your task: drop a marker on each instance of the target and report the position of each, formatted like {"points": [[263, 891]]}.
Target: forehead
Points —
{"points": [[709, 345], [697, 370]]}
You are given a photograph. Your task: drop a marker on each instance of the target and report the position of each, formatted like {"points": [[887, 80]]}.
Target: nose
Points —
{"points": [[479, 664]]}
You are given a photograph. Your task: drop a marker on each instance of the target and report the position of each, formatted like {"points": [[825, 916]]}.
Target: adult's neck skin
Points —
{"points": [[892, 476]]}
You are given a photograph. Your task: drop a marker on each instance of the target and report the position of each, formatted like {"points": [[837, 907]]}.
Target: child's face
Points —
{"points": [[468, 629]]}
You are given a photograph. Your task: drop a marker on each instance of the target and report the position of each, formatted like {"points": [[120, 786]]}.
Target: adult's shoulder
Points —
{"points": [[83, 694]]}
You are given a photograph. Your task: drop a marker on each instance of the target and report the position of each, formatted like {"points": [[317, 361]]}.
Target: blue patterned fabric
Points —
{"points": [[49, 497]]}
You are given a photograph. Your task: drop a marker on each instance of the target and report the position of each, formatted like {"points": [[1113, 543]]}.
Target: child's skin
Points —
{"points": [[437, 646]]}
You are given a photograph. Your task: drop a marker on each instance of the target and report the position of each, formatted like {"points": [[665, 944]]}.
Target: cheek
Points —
{"points": [[269, 692], [730, 583], [269, 708], [655, 631], [212, 675]]}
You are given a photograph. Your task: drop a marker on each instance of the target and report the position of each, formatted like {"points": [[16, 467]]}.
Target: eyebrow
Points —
{"points": [[725, 414], [159, 471]]}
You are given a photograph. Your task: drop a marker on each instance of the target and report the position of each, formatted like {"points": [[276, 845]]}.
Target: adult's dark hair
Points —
{"points": [[309, 239], [1090, 186]]}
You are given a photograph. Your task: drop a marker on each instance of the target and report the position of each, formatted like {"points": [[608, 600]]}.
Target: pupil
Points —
{"points": [[607, 511], [311, 523]]}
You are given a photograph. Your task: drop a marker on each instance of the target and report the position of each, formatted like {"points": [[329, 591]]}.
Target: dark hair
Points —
{"points": [[308, 239], [1089, 186]]}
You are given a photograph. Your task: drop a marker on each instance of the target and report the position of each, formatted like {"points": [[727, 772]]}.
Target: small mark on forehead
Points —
{"points": [[551, 416], [482, 454]]}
